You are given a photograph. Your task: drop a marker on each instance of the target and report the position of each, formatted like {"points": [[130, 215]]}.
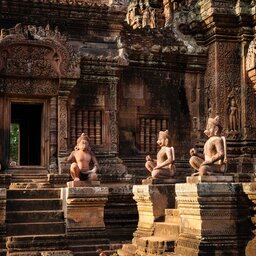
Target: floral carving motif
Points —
{"points": [[37, 52]]}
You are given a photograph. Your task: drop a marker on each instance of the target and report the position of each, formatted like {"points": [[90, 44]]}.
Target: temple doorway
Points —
{"points": [[26, 134]]}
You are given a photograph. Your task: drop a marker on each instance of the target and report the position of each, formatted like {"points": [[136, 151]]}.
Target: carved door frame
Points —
{"points": [[44, 155], [38, 65]]}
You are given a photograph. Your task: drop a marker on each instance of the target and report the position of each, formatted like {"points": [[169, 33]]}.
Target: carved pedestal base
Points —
{"points": [[214, 219], [150, 180], [84, 214], [82, 183], [250, 190], [152, 200], [217, 178]]}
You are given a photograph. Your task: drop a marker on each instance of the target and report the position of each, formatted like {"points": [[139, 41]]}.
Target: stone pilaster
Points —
{"points": [[66, 86], [53, 134], [250, 190], [2, 221], [214, 219]]}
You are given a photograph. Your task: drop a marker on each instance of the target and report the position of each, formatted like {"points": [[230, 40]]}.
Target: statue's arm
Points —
{"points": [[168, 161], [220, 151], [71, 157], [219, 146], [96, 164], [193, 152]]}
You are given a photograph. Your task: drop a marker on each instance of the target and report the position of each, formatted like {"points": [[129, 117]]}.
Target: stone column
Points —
{"points": [[53, 135], [2, 221], [113, 129], [66, 86], [214, 219], [250, 190]]}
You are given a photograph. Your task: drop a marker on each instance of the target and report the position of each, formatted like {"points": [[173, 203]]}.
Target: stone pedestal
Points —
{"points": [[83, 183], [214, 219], [2, 221], [84, 214], [152, 200], [84, 207], [250, 190], [209, 179]]}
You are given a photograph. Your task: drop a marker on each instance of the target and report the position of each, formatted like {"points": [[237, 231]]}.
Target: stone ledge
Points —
{"points": [[217, 178], [82, 183]]}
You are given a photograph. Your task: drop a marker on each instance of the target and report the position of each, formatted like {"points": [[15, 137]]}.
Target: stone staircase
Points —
{"points": [[165, 234], [34, 218]]}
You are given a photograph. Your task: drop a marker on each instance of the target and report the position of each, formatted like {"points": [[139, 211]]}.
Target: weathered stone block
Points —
{"points": [[84, 207], [152, 200], [214, 219]]}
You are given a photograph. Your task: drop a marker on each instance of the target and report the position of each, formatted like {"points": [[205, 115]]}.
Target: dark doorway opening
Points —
{"points": [[26, 124]]}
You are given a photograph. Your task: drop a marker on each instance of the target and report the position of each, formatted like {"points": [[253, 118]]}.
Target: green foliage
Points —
{"points": [[14, 142]]}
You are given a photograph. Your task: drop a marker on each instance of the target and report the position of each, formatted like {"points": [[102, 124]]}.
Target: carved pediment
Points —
{"points": [[30, 51]]}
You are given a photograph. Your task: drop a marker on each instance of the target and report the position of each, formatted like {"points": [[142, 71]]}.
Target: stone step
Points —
{"points": [[30, 185], [154, 246], [33, 204], [34, 216], [33, 243], [36, 228], [172, 216], [86, 247], [168, 231], [43, 253], [88, 253], [29, 193], [127, 250]]}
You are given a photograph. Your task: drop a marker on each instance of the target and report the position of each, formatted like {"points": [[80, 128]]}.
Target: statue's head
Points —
{"points": [[164, 139], [83, 142], [213, 127]]}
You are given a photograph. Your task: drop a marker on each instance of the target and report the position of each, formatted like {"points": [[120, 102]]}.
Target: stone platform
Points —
{"points": [[210, 179], [151, 180], [83, 183]]}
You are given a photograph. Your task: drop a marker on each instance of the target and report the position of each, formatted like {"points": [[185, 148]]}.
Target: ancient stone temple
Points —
{"points": [[120, 71]]}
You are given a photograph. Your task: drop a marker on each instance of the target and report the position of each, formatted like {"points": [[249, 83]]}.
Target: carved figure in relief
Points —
{"points": [[213, 160], [168, 12], [233, 115], [163, 167], [80, 159], [146, 17]]}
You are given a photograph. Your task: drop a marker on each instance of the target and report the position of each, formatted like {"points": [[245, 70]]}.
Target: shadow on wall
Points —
{"points": [[127, 143]]}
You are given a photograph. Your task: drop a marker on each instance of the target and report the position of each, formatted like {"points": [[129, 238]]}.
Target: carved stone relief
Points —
{"points": [[228, 84], [28, 86], [31, 51]]}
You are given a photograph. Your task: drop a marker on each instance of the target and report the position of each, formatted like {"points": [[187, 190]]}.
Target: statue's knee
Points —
{"points": [[149, 165], [193, 160], [93, 176], [155, 173], [203, 170]]}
